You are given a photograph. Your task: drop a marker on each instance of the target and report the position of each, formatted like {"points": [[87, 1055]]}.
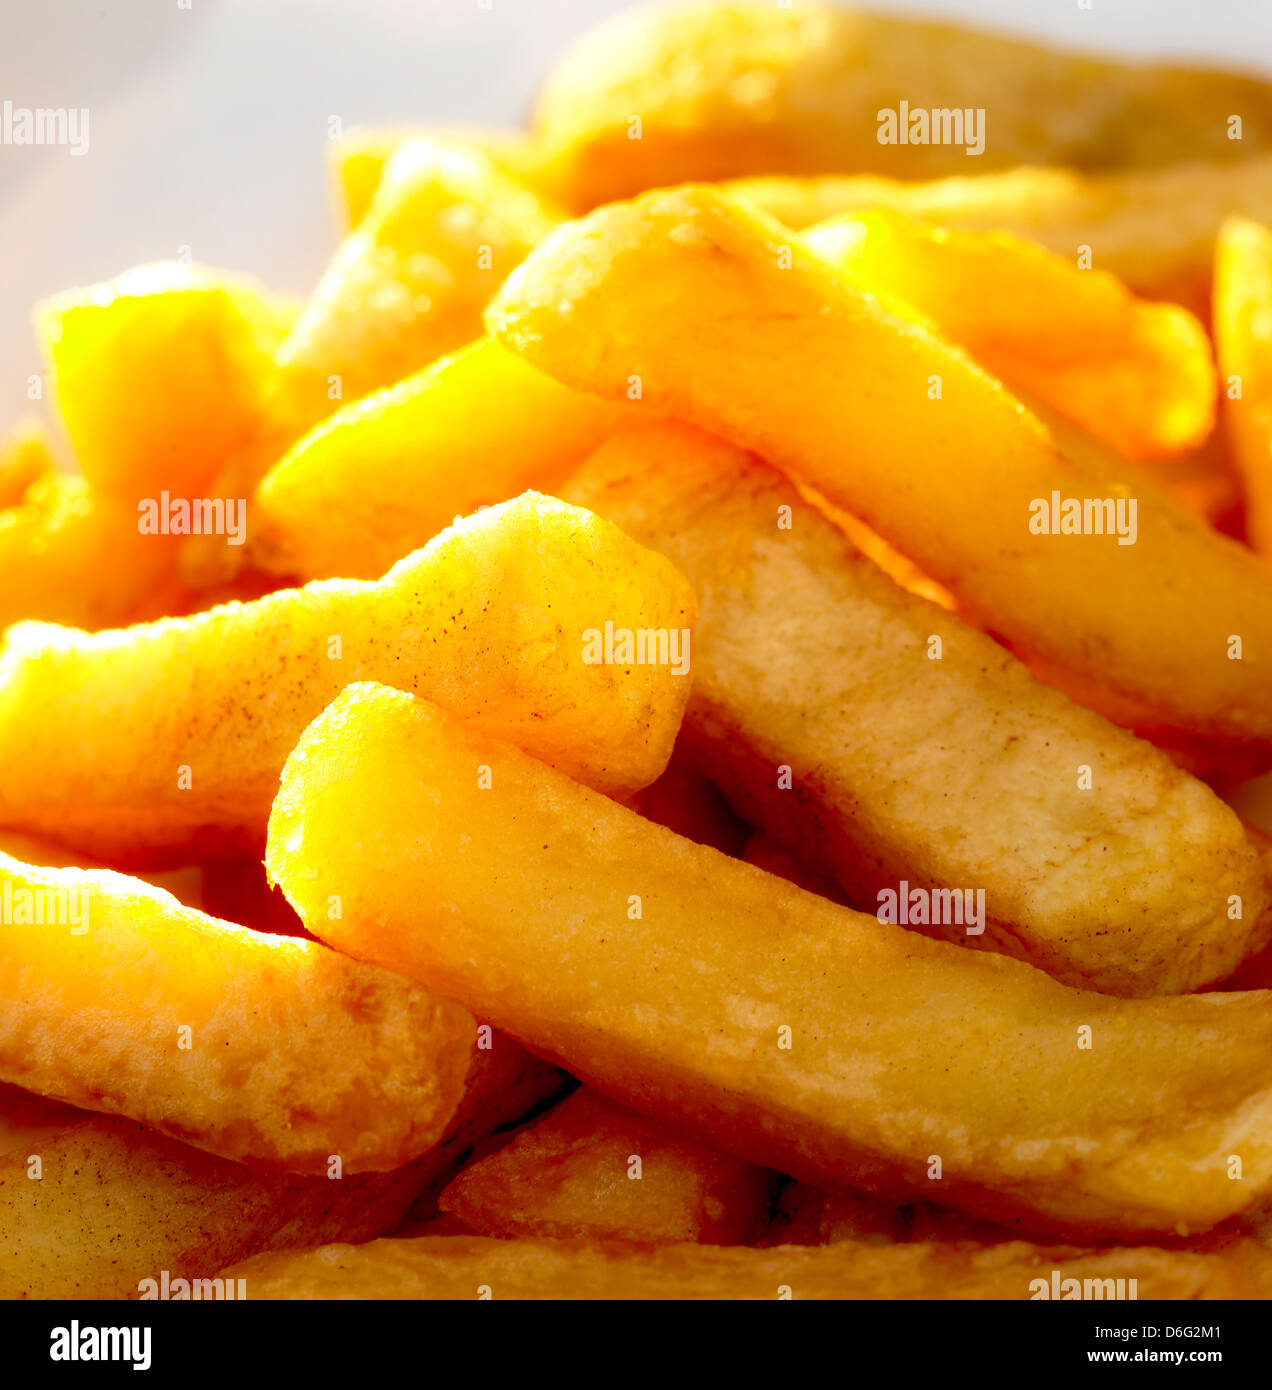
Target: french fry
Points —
{"points": [[409, 283], [1255, 972], [357, 159], [68, 555], [730, 326], [663, 95], [385, 474], [161, 376], [271, 1051], [810, 660], [1154, 229], [1204, 483], [1203, 479], [116, 1204], [180, 728], [756, 1017], [1139, 375], [495, 929], [356, 163], [1247, 1245], [472, 1267], [1243, 334], [590, 1168]]}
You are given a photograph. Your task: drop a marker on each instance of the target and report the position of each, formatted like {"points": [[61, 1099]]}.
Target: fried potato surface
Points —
{"points": [[1140, 375], [729, 325], [1243, 332], [1202, 480], [357, 159], [663, 94], [116, 1203], [590, 1168], [470, 1267], [161, 375], [268, 1050], [69, 555], [761, 1019], [181, 727], [385, 474], [1154, 229], [410, 282], [918, 751]]}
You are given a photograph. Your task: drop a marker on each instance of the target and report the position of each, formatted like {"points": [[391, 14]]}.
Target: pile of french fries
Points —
{"points": [[673, 730]]}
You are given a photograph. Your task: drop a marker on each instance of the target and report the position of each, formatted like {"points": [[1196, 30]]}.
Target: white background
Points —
{"points": [[208, 125]]}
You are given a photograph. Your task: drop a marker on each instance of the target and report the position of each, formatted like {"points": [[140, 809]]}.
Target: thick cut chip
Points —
{"points": [[161, 375], [1205, 484], [142, 745], [472, 1267], [268, 1050], [1138, 224], [69, 555], [921, 760], [358, 157], [729, 325], [1243, 333], [662, 95], [116, 1204], [66, 554], [1154, 229], [761, 1019], [591, 1168], [1139, 375], [445, 227], [385, 474]]}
